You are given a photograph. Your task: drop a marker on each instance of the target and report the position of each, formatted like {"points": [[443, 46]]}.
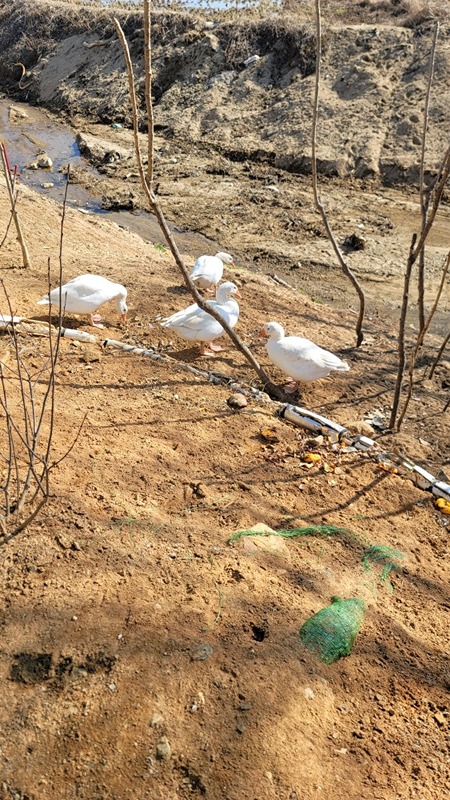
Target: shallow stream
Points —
{"points": [[27, 131]]}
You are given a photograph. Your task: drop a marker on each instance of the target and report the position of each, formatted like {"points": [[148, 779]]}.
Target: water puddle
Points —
{"points": [[27, 131]]}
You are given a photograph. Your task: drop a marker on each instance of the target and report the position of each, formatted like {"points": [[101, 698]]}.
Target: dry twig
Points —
{"points": [[156, 208], [424, 196], [13, 202], [317, 199], [420, 339]]}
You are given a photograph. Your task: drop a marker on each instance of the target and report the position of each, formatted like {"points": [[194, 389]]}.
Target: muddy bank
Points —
{"points": [[232, 142], [373, 86]]}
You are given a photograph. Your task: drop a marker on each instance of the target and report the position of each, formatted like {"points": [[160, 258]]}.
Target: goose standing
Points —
{"points": [[196, 325], [85, 294], [208, 270], [300, 359]]}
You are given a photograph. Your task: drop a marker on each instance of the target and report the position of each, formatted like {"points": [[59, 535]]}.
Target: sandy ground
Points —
{"points": [[125, 614], [142, 655]]}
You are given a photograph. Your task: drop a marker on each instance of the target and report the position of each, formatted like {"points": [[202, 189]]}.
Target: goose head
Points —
{"points": [[273, 331], [226, 291], [121, 304], [225, 258]]}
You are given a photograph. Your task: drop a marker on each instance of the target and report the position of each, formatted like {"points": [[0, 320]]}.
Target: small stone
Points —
{"points": [[355, 242], [200, 652], [240, 727], [163, 749], [74, 618], [157, 719], [440, 719], [44, 161], [112, 686], [269, 435], [89, 355], [64, 541], [237, 401], [17, 112], [362, 427], [267, 541], [308, 693]]}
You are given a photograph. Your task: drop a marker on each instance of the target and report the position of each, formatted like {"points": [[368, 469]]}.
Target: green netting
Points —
{"points": [[331, 632], [373, 554], [385, 556], [310, 530]]}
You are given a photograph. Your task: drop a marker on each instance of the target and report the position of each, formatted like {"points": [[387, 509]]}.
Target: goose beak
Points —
{"points": [[262, 333]]}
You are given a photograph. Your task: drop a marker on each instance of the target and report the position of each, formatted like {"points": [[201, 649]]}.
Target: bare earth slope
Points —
{"points": [[141, 655], [374, 81], [126, 617]]}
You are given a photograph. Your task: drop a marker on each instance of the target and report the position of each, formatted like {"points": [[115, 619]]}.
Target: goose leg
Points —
{"points": [[95, 320], [290, 386], [208, 348]]}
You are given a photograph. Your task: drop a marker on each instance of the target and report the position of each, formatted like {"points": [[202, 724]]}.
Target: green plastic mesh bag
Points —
{"points": [[331, 632]]}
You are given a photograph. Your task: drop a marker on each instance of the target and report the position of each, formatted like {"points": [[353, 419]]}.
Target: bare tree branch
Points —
{"points": [[401, 333], [317, 199], [438, 189], [424, 196], [420, 339], [10, 188], [31, 411], [154, 205], [148, 91], [439, 355]]}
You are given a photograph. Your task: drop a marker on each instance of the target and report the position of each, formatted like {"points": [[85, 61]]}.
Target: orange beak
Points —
{"points": [[123, 319], [238, 294], [262, 333]]}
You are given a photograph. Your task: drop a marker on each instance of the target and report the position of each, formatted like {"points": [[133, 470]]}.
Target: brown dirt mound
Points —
{"points": [[142, 655]]}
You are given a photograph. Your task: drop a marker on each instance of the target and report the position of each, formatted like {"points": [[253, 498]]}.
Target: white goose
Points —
{"points": [[208, 270], [196, 325], [300, 359], [85, 294]]}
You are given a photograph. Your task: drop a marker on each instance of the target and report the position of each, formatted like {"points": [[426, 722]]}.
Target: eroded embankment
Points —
{"points": [[373, 84]]}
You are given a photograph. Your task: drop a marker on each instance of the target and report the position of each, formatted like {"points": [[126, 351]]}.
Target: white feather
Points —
{"points": [[86, 293], [208, 270], [300, 358], [196, 325]]}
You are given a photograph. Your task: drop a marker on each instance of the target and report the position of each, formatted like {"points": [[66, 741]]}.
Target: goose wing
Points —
{"points": [[209, 267], [189, 315], [302, 354]]}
